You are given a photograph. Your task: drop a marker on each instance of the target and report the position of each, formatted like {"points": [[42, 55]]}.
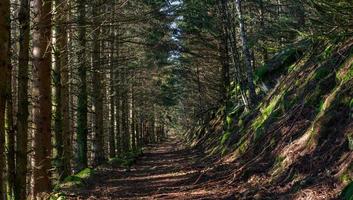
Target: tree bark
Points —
{"points": [[98, 138], [61, 115], [4, 69], [22, 117], [82, 129], [112, 136], [42, 97]]}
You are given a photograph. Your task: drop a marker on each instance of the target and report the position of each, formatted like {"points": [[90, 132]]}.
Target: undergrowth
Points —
{"points": [[82, 178]]}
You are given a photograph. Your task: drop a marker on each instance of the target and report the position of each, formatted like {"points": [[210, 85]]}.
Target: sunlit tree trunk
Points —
{"points": [[247, 54]]}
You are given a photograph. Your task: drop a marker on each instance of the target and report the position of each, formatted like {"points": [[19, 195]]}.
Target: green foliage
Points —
{"points": [[170, 90], [126, 160], [282, 61], [347, 193]]}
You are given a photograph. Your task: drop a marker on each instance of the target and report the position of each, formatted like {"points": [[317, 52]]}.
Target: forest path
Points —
{"points": [[166, 171]]}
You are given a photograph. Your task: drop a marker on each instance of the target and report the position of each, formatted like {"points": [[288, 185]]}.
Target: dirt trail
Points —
{"points": [[165, 171]]}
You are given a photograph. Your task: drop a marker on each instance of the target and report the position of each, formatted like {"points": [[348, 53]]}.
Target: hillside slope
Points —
{"points": [[298, 143]]}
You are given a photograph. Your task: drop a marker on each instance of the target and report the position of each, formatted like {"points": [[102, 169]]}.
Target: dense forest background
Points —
{"points": [[264, 86]]}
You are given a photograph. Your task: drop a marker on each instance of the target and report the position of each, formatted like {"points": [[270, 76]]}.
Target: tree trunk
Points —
{"points": [[224, 50], [112, 136], [247, 54], [10, 132], [98, 138], [42, 97], [10, 129], [61, 115], [82, 129], [22, 117], [133, 116], [4, 69]]}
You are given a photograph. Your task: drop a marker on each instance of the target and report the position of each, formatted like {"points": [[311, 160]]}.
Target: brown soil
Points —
{"points": [[166, 171]]}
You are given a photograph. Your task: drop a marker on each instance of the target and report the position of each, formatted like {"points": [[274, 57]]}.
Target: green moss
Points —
{"points": [[322, 73], [224, 151], [243, 147], [229, 120], [75, 181], [327, 53], [350, 142], [261, 72], [292, 67], [349, 74], [278, 161], [86, 173], [346, 178], [58, 196], [225, 137], [269, 112]]}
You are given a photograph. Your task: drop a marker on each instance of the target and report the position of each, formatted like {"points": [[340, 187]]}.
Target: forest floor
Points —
{"points": [[168, 170]]}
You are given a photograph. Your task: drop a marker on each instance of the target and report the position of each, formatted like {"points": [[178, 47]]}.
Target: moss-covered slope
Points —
{"points": [[297, 144]]}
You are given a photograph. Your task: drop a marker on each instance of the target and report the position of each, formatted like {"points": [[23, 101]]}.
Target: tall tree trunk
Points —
{"points": [[112, 136], [65, 94], [4, 69], [224, 50], [133, 117], [247, 54], [22, 117], [98, 138], [10, 133], [262, 28], [42, 97], [118, 107], [82, 129], [124, 112], [57, 115], [61, 115]]}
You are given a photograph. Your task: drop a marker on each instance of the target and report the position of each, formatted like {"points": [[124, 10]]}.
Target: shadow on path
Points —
{"points": [[165, 171]]}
